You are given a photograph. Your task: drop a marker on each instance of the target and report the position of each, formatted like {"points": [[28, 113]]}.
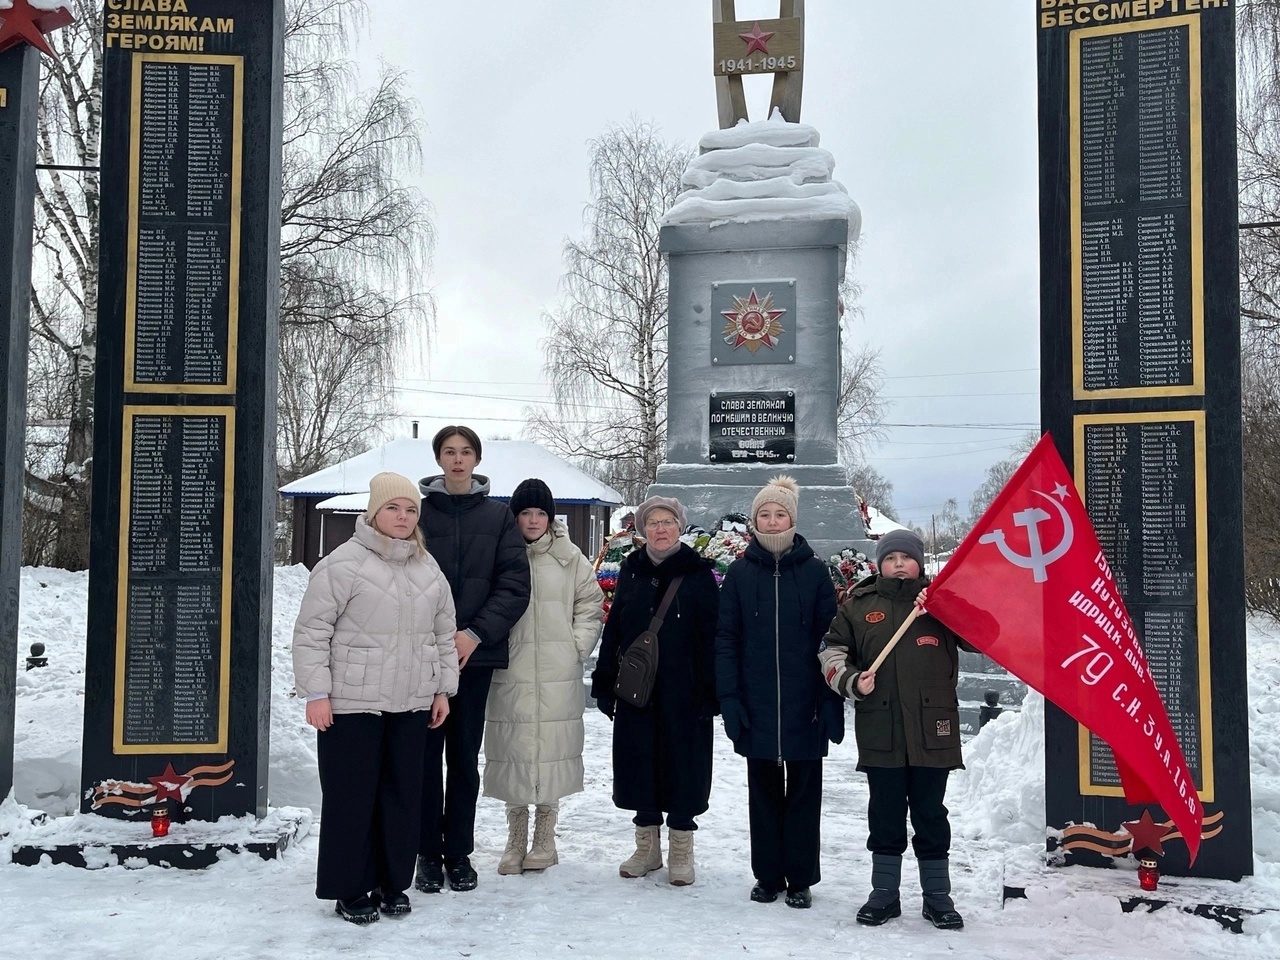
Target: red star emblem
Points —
{"points": [[25, 24], [1146, 834], [757, 39], [753, 322], [169, 784]]}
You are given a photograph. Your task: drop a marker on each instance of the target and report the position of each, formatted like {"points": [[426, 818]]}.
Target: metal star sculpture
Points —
{"points": [[757, 39], [1146, 834], [26, 24]]}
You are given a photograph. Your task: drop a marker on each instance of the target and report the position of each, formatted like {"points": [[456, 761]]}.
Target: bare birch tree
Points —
{"points": [[64, 307], [606, 345], [355, 246], [1258, 23], [355, 242]]}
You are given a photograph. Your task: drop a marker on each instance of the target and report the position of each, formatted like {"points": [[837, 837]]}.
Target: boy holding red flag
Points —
{"points": [[906, 722]]}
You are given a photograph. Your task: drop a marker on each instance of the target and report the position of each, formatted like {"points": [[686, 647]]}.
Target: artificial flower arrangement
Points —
{"points": [[848, 568], [722, 546]]}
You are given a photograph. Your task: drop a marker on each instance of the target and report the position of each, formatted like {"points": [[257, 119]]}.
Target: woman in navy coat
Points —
{"points": [[776, 604]]}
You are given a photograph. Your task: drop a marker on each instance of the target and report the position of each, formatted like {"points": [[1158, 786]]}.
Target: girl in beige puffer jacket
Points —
{"points": [[533, 732], [374, 659]]}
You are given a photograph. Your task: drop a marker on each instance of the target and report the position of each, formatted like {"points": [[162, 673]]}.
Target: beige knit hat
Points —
{"points": [[782, 490], [386, 487]]}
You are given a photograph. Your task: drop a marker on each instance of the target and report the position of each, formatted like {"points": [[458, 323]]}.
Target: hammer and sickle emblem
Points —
{"points": [[1037, 561]]}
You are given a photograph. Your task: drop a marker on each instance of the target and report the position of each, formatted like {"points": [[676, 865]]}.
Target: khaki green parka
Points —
{"points": [[912, 716]]}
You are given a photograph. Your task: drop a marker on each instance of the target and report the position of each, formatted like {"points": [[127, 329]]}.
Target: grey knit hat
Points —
{"points": [[660, 503], [903, 541]]}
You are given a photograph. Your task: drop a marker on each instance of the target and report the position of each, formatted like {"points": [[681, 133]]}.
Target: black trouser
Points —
{"points": [[449, 805], [894, 791], [785, 807], [653, 818], [371, 788]]}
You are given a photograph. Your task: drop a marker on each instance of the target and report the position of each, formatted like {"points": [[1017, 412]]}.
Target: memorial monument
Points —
{"points": [[22, 29], [1140, 355], [177, 676], [757, 245]]}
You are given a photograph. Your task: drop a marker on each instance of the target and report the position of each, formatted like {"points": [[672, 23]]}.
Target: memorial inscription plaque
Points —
{"points": [[182, 309], [1137, 210], [174, 625], [1142, 477], [1140, 380], [753, 427]]}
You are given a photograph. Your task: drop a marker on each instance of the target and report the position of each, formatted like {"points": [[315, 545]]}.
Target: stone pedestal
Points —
{"points": [[798, 264]]}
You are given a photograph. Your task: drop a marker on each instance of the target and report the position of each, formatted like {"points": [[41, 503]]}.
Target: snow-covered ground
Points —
{"points": [[248, 908]]}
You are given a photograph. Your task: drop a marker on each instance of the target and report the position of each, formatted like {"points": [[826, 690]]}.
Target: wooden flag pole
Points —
{"points": [[893, 641]]}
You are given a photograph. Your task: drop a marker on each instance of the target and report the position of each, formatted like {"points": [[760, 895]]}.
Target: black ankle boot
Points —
{"points": [[461, 876], [801, 898], [764, 892], [429, 876], [873, 914], [359, 910], [394, 904]]}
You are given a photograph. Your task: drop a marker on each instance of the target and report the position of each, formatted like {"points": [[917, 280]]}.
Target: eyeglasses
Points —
{"points": [[659, 524]]}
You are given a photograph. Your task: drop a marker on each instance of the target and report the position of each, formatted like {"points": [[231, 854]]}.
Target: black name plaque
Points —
{"points": [[182, 311], [174, 628], [753, 427]]}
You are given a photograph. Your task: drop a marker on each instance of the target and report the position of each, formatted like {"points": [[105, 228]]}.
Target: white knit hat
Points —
{"points": [[386, 487], [782, 490]]}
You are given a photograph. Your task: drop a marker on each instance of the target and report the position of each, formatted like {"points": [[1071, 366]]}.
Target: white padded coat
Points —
{"points": [[376, 627], [533, 719]]}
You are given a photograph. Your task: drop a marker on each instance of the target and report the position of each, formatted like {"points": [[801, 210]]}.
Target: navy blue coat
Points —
{"points": [[662, 752], [479, 548], [773, 614]]}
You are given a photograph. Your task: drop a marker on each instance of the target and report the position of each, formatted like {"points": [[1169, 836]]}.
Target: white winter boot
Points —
{"points": [[512, 862], [680, 863], [543, 854], [648, 855]]}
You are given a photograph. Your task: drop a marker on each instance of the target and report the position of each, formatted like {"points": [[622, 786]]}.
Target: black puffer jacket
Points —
{"points": [[478, 546], [662, 752], [773, 615]]}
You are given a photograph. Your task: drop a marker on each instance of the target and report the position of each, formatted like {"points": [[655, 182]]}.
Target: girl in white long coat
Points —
{"points": [[533, 730]]}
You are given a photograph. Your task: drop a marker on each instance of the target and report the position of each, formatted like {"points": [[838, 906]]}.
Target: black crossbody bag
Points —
{"points": [[638, 668]]}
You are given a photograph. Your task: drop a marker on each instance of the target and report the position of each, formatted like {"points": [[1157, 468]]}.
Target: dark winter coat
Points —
{"points": [[662, 752], [774, 612], [912, 716], [478, 546]]}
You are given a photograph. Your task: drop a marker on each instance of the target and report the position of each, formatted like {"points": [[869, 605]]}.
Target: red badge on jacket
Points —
{"points": [[926, 641], [875, 616]]}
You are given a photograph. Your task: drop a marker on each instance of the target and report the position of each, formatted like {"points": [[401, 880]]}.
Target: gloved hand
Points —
{"points": [[831, 717], [735, 717], [607, 704]]}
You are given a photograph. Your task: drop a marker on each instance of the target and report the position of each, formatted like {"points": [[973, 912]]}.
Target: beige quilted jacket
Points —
{"points": [[375, 630]]}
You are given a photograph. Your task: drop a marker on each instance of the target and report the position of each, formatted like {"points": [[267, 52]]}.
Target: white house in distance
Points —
{"points": [[326, 503]]}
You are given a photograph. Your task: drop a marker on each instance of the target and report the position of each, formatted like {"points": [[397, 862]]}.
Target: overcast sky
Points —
{"points": [[927, 105]]}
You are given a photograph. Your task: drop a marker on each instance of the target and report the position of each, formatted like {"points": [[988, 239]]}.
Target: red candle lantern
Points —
{"points": [[1148, 873], [160, 820]]}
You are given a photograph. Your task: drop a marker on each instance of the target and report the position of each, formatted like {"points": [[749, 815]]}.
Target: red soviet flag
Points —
{"points": [[1029, 586]]}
